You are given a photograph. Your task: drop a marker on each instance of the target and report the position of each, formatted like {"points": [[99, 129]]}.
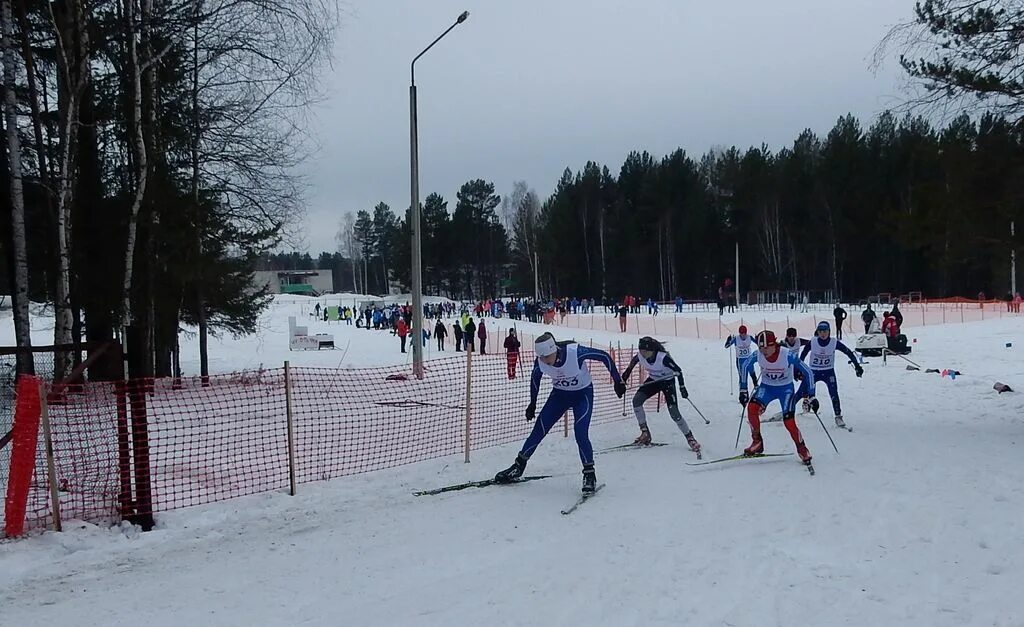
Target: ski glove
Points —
{"points": [[743, 397], [531, 411], [815, 405], [682, 389], [858, 370], [620, 389]]}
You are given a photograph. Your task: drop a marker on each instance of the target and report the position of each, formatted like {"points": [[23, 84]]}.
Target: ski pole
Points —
{"points": [[706, 421], [826, 432], [739, 428], [731, 368]]}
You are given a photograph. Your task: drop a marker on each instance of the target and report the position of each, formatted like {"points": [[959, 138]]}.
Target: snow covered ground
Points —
{"points": [[916, 522]]}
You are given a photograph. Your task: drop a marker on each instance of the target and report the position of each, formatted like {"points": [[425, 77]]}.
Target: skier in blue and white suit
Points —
{"points": [[777, 365], [572, 388], [822, 350], [744, 349]]}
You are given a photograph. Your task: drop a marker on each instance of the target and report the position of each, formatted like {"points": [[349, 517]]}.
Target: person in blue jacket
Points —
{"points": [[777, 365], [571, 388], [822, 351]]}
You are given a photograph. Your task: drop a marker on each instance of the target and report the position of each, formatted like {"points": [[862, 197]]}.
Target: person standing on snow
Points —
{"points": [[867, 317], [822, 350], [512, 352], [440, 332], [468, 340], [662, 372], [743, 344], [840, 316], [481, 332], [777, 365], [571, 388], [457, 334], [402, 330]]}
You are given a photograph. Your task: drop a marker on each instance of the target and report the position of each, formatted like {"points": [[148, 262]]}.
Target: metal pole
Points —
{"points": [[414, 210], [737, 275], [417, 270], [1013, 263], [536, 280]]}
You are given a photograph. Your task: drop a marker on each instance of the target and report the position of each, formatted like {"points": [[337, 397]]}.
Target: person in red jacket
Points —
{"points": [[512, 352], [891, 329], [402, 329], [481, 332]]}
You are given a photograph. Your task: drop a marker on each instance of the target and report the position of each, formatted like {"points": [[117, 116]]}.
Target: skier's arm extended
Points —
{"points": [[602, 357], [629, 369], [535, 378]]}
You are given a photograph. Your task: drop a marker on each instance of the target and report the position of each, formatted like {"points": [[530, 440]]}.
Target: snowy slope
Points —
{"points": [[916, 522]]}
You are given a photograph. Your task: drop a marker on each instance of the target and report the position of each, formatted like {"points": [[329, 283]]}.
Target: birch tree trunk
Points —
{"points": [[73, 46], [141, 163], [22, 330]]}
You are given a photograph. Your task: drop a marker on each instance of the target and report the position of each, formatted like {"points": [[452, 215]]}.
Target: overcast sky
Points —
{"points": [[525, 88]]}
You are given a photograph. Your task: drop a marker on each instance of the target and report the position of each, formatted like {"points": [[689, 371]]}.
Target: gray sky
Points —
{"points": [[525, 88]]}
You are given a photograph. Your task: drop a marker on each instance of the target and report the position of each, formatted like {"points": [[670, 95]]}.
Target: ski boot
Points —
{"points": [[644, 438], [839, 421], [692, 441], [805, 455], [589, 479], [513, 472], [756, 446]]}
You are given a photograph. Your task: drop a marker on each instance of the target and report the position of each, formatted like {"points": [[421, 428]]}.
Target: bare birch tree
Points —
{"points": [[22, 329]]}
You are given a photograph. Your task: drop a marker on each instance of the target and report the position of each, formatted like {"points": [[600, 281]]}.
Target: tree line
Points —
{"points": [[897, 206], [151, 155]]}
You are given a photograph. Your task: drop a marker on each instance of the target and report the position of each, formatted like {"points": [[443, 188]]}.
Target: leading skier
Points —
{"points": [[777, 365]]}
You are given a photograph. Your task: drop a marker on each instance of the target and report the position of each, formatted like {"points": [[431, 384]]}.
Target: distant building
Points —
{"points": [[306, 282]]}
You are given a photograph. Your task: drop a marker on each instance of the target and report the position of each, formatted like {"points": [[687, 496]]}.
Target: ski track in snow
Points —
{"points": [[916, 522]]}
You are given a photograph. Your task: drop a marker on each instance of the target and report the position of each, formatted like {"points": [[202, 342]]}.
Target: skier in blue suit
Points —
{"points": [[572, 388], [822, 350]]}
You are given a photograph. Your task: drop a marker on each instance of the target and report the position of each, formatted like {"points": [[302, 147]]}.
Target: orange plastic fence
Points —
{"points": [[228, 438]]}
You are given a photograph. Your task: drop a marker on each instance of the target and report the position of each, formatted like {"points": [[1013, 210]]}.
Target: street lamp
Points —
{"points": [[417, 268]]}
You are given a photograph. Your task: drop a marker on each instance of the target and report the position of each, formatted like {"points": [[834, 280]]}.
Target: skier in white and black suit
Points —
{"points": [[662, 372]]}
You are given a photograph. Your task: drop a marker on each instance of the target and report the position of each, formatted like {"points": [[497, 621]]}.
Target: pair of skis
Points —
{"points": [[741, 456], [583, 498], [634, 445]]}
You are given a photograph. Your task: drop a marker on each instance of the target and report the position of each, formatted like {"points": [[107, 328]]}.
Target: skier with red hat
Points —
{"points": [[744, 349], [777, 365]]}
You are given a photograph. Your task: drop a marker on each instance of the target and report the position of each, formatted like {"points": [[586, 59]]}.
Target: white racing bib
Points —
{"points": [[822, 357], [777, 373], [569, 376], [743, 346], [657, 371]]}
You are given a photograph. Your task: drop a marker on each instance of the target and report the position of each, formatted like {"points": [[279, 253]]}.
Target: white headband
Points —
{"points": [[545, 347]]}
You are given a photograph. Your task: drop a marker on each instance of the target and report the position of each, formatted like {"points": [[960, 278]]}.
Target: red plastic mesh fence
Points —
{"points": [[228, 438]]}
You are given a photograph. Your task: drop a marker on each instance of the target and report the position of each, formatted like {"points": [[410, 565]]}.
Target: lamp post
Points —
{"points": [[417, 267]]}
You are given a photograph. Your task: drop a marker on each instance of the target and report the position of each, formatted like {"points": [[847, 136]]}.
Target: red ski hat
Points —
{"points": [[766, 338], [743, 329]]}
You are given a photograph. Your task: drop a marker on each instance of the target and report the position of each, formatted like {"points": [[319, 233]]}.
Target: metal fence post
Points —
{"points": [[291, 427]]}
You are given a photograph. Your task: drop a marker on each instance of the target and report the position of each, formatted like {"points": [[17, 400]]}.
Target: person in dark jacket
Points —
{"points": [[896, 313], [512, 352], [867, 316], [440, 332], [481, 332], [457, 333], [469, 339], [840, 315]]}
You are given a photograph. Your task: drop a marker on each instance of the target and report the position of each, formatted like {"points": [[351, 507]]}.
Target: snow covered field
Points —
{"points": [[916, 522]]}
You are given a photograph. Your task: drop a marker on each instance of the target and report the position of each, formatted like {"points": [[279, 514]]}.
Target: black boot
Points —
{"points": [[513, 472], [589, 479]]}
